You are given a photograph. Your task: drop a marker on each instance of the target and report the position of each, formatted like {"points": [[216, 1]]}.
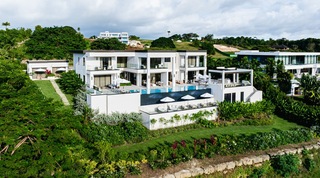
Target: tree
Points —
{"points": [[283, 78], [70, 82], [107, 44], [209, 47], [209, 37], [163, 42], [134, 37], [54, 43], [270, 67], [176, 37], [38, 136], [6, 24], [311, 89]]}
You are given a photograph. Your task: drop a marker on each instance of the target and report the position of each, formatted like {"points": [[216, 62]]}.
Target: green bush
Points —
{"points": [[285, 165], [70, 83], [239, 110]]}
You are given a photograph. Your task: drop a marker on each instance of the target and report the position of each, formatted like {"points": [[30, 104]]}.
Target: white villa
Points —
{"points": [[162, 84], [121, 36], [37, 68], [295, 62]]}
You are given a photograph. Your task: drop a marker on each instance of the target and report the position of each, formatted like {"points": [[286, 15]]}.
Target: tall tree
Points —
{"points": [[6, 24], [163, 42], [54, 43], [107, 44]]}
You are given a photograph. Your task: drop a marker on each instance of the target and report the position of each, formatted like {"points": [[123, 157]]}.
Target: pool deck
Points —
{"points": [[126, 89]]}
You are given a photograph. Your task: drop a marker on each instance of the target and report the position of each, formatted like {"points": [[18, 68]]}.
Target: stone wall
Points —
{"points": [[245, 161]]}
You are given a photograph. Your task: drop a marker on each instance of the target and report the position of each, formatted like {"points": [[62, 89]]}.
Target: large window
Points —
{"points": [[122, 62], [155, 62], [230, 97]]}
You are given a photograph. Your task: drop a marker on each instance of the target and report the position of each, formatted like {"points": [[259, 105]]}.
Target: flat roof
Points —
{"points": [[276, 53], [145, 51], [46, 61], [231, 70]]}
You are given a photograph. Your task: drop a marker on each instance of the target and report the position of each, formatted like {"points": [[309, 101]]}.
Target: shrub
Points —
{"points": [[238, 110], [70, 83], [286, 164]]}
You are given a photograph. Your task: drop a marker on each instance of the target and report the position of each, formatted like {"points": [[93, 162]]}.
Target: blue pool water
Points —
{"points": [[180, 88]]}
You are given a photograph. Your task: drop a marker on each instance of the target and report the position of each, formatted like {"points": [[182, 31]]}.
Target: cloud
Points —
{"points": [[152, 19]]}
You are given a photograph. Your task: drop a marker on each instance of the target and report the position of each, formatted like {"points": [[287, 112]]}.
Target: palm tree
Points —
{"points": [[6, 24]]}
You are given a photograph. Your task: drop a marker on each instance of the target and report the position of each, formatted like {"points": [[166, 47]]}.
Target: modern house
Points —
{"points": [[295, 62], [37, 69], [141, 67], [121, 36], [163, 84]]}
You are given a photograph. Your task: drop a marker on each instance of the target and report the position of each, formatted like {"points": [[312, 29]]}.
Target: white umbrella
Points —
{"points": [[40, 70], [206, 95], [187, 97], [167, 100]]}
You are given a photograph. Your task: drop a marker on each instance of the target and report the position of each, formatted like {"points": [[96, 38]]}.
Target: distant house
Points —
{"points": [[37, 69], [121, 36], [280, 47], [297, 63]]}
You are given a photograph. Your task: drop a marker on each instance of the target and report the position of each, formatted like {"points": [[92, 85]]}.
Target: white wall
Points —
{"points": [[160, 125], [107, 104]]}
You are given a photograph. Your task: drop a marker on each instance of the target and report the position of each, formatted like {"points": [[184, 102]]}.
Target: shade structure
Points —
{"points": [[40, 70], [167, 100], [206, 95], [61, 69], [187, 97]]}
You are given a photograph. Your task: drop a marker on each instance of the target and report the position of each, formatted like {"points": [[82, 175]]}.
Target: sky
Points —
{"points": [[151, 19]]}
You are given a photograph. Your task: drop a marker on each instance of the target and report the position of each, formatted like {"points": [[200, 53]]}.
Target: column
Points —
{"points": [[223, 78], [205, 63], [148, 75], [186, 69], [139, 80], [173, 73], [197, 61], [251, 78]]}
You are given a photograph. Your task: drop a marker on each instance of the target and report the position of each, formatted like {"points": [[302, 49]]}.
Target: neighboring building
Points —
{"points": [[141, 67], [37, 69], [295, 62], [121, 36]]}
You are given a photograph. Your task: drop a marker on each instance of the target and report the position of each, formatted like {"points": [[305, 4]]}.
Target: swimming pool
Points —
{"points": [[169, 89]]}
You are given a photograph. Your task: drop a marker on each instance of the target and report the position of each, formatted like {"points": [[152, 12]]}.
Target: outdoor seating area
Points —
{"points": [[178, 107]]}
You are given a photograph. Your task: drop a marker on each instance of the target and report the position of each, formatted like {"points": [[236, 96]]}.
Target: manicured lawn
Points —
{"points": [[47, 89], [206, 133]]}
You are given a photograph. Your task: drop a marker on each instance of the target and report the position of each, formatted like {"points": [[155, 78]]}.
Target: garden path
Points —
{"points": [[59, 92]]}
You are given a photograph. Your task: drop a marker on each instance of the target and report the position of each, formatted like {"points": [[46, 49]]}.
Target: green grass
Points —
{"points": [[219, 55], [47, 89], [184, 46], [206, 133]]}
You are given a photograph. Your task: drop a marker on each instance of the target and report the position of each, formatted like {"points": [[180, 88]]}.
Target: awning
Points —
{"points": [[40, 70], [61, 69]]}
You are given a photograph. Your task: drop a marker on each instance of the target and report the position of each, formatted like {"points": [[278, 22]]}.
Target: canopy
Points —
{"points": [[40, 70], [206, 95], [61, 69], [167, 99], [187, 97]]}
